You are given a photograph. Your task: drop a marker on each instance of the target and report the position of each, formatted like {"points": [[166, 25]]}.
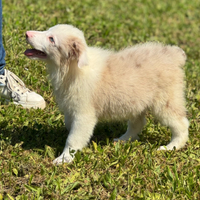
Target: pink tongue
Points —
{"points": [[31, 52]]}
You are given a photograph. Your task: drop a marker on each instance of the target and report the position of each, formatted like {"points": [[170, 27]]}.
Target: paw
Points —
{"points": [[166, 148], [63, 159], [162, 148]]}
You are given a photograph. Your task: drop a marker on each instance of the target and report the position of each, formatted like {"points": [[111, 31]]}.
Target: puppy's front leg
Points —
{"points": [[81, 131]]}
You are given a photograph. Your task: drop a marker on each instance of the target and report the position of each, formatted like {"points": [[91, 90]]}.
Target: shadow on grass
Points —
{"points": [[39, 135]]}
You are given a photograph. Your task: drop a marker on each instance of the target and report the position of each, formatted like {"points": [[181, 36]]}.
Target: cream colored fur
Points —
{"points": [[92, 83]]}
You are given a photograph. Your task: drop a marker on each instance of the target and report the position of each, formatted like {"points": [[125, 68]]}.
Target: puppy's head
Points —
{"points": [[60, 44]]}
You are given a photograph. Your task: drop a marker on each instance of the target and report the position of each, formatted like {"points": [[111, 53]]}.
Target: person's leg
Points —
{"points": [[2, 51]]}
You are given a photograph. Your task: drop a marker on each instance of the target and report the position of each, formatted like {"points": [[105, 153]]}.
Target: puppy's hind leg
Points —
{"points": [[175, 118], [179, 127], [135, 126], [80, 133]]}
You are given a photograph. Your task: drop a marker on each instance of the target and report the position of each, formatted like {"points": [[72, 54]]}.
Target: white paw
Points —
{"points": [[162, 148], [63, 159], [168, 147]]}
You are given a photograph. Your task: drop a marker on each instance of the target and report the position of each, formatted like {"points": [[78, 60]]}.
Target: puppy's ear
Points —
{"points": [[78, 51]]}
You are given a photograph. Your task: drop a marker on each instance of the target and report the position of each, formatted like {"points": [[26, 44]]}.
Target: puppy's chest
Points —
{"points": [[71, 98]]}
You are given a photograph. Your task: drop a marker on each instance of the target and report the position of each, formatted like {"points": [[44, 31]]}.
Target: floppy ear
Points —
{"points": [[78, 51]]}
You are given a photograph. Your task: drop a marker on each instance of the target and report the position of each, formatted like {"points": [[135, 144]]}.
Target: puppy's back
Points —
{"points": [[135, 78], [152, 54]]}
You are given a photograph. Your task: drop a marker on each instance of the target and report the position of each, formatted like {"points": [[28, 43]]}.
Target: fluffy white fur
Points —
{"points": [[92, 83]]}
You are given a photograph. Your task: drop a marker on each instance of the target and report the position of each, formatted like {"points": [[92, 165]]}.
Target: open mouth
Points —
{"points": [[34, 53]]}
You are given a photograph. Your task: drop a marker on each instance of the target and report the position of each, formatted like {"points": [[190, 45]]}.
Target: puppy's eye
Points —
{"points": [[51, 39]]}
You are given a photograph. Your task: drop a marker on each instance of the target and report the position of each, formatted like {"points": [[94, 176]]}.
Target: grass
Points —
{"points": [[31, 139]]}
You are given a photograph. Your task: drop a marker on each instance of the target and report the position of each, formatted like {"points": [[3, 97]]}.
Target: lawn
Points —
{"points": [[31, 139]]}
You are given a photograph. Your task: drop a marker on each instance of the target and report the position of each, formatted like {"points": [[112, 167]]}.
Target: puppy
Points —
{"points": [[91, 83]]}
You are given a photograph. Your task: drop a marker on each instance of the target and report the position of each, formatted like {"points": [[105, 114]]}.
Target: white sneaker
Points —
{"points": [[13, 89]]}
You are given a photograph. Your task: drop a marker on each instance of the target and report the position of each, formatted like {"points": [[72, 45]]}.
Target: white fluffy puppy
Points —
{"points": [[92, 83]]}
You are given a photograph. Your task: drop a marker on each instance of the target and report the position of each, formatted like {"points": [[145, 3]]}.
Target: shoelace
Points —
{"points": [[14, 84]]}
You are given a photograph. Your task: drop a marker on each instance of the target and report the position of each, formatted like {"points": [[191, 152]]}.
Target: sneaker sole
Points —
{"points": [[41, 104]]}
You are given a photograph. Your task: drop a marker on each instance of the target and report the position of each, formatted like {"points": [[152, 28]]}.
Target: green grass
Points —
{"points": [[31, 139]]}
